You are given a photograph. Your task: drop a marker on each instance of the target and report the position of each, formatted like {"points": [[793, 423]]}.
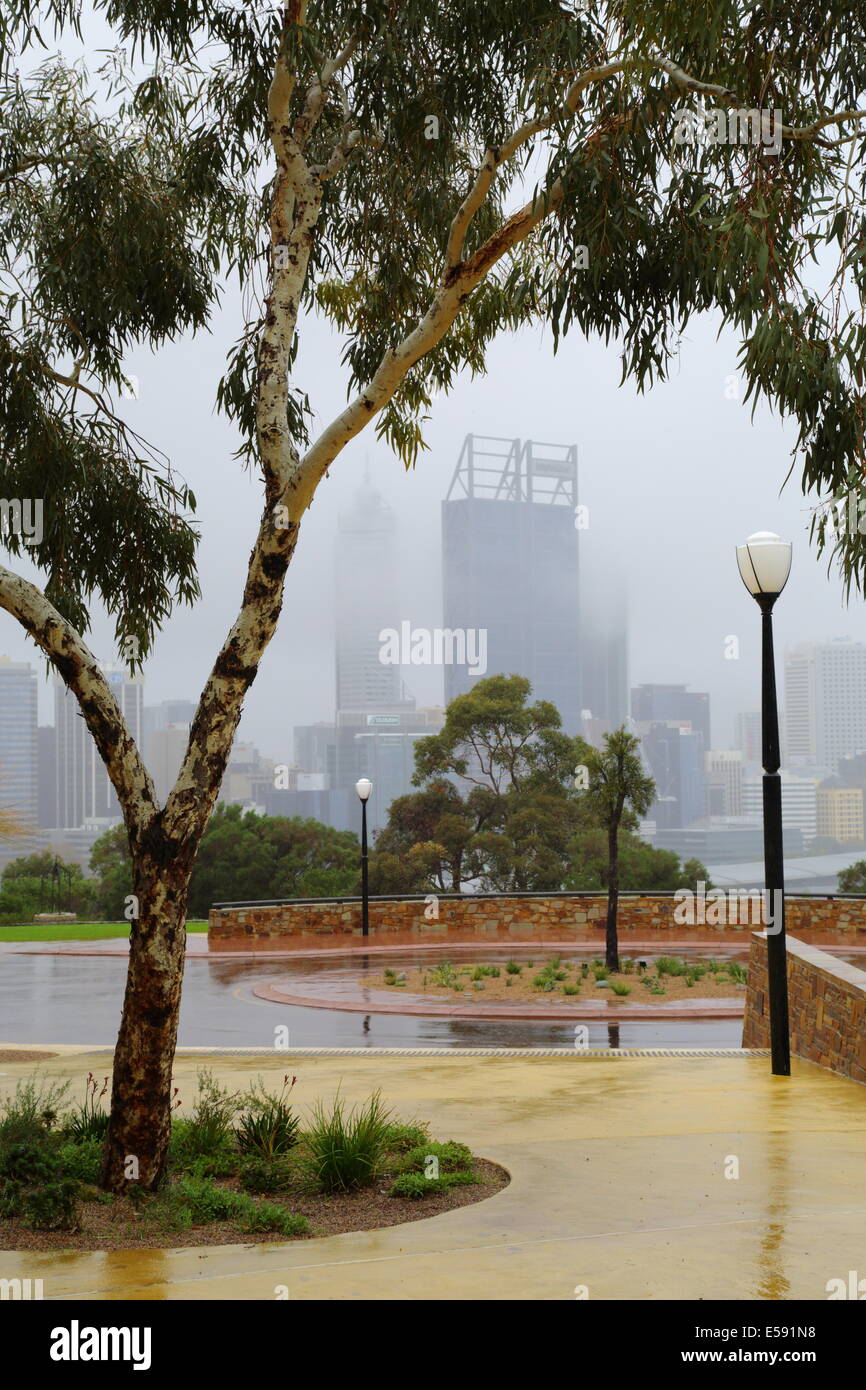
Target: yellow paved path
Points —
{"points": [[618, 1185]]}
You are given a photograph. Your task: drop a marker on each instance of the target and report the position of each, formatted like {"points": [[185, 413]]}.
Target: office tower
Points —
{"points": [[380, 746], [840, 812], [825, 709], [676, 704], [19, 757], [800, 728], [603, 636], [510, 566], [799, 801], [724, 778], [84, 792], [166, 748], [747, 736], [674, 754], [47, 802], [368, 599]]}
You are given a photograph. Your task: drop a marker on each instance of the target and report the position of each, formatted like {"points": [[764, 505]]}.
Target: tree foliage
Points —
{"points": [[243, 856]]}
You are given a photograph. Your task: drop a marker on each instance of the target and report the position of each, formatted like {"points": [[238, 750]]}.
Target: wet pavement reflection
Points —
{"points": [[77, 999]]}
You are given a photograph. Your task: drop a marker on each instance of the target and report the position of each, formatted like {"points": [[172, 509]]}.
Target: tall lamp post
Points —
{"points": [[364, 787], [764, 563]]}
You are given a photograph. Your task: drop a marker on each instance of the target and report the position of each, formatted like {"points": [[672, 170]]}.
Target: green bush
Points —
{"points": [[400, 1138], [347, 1151], [512, 968], [88, 1120], [571, 989], [669, 965], [267, 1216], [11, 1194], [415, 1185], [207, 1201], [211, 1129], [452, 1157], [81, 1160], [53, 1207], [269, 1127], [266, 1175], [619, 988], [444, 974], [32, 1109], [31, 1161]]}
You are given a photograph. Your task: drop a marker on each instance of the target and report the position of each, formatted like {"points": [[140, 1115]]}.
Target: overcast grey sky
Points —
{"points": [[674, 480]]}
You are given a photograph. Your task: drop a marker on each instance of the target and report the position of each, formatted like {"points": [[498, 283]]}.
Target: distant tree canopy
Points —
{"points": [[243, 856], [853, 879], [499, 809], [43, 882]]}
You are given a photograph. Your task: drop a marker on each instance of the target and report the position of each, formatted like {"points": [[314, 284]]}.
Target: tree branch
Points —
{"points": [[78, 667]]}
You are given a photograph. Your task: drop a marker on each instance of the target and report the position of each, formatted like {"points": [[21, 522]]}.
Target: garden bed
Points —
{"points": [[558, 980], [242, 1170]]}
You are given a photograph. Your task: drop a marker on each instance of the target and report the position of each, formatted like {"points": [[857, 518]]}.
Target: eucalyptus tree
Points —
{"points": [[618, 793], [423, 176]]}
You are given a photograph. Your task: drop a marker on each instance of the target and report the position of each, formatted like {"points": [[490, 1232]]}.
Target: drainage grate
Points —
{"points": [[618, 1054]]}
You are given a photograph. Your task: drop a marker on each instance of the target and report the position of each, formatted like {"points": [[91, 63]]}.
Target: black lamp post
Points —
{"points": [[764, 563], [364, 787]]}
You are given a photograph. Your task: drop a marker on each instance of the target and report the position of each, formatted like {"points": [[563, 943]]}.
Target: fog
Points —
{"points": [[673, 480]]}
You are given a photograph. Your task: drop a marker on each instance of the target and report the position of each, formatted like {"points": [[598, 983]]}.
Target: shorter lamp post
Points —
{"points": [[364, 787], [764, 563]]}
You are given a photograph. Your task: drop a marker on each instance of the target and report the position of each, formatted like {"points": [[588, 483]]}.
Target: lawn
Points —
{"points": [[75, 931]]}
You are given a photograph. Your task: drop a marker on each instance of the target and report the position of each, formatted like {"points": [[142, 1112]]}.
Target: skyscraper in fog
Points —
{"points": [[510, 566], [672, 704], [367, 603], [673, 724], [19, 759], [84, 792], [604, 635], [825, 710]]}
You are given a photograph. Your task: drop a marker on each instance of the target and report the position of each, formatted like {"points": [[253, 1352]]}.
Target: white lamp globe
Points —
{"points": [[364, 787], [764, 563]]}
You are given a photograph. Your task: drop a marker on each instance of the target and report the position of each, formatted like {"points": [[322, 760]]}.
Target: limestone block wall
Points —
{"points": [[826, 1006], [517, 917]]}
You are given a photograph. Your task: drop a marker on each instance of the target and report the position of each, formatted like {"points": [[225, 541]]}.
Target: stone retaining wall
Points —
{"points": [[826, 1006], [516, 918]]}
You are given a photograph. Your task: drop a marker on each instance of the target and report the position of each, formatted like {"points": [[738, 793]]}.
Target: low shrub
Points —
{"points": [[208, 1202], [88, 1120], [669, 965], [210, 1131], [31, 1160], [266, 1175], [571, 989], [267, 1216], [81, 1160], [619, 988], [512, 968], [29, 1114], [400, 1138], [52, 1207], [269, 1127], [347, 1151], [452, 1157], [416, 1186]]}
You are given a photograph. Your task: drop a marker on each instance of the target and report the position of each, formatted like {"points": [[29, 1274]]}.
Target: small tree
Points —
{"points": [[853, 879], [619, 791]]}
